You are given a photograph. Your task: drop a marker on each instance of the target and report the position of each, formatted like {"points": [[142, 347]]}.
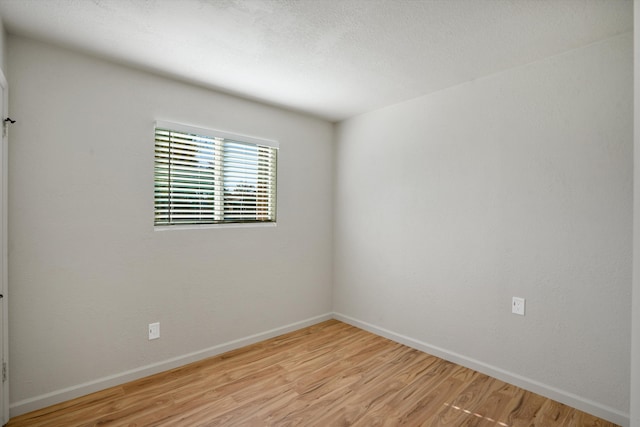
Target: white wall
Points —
{"points": [[518, 184], [87, 270], [447, 205], [635, 327], [3, 47]]}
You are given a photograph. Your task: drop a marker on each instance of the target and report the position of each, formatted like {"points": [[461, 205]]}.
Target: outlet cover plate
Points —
{"points": [[154, 331], [517, 306]]}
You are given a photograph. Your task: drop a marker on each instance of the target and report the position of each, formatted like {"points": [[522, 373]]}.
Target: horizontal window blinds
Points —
{"points": [[208, 179]]}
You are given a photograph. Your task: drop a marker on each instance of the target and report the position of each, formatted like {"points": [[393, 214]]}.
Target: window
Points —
{"points": [[205, 176]]}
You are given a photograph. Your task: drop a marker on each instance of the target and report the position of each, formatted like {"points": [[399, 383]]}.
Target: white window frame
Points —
{"points": [[226, 136]]}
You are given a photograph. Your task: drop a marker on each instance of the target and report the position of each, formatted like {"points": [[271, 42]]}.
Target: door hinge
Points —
{"points": [[4, 371], [5, 124]]}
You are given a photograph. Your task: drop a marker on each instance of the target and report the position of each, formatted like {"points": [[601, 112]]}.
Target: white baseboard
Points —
{"points": [[570, 399], [57, 396]]}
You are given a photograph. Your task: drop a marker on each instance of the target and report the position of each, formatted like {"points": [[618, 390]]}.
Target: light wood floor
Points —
{"points": [[330, 374]]}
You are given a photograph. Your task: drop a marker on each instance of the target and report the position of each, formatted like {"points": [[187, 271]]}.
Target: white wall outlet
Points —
{"points": [[517, 306], [154, 331]]}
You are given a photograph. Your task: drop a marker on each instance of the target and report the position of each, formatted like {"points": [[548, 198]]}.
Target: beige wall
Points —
{"points": [[518, 184], [87, 270]]}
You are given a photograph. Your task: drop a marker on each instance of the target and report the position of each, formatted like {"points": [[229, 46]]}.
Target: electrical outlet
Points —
{"points": [[154, 331], [517, 306]]}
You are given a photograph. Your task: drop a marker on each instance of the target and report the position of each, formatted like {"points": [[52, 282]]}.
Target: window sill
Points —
{"points": [[206, 226]]}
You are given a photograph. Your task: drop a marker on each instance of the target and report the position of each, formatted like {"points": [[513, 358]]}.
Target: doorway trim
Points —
{"points": [[4, 277]]}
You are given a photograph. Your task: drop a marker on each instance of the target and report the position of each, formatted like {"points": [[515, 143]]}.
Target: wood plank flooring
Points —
{"points": [[330, 374]]}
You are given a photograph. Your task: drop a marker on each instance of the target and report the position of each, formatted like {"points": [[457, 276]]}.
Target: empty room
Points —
{"points": [[320, 213]]}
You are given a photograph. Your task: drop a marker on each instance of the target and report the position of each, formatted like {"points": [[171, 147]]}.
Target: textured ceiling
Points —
{"points": [[331, 58]]}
